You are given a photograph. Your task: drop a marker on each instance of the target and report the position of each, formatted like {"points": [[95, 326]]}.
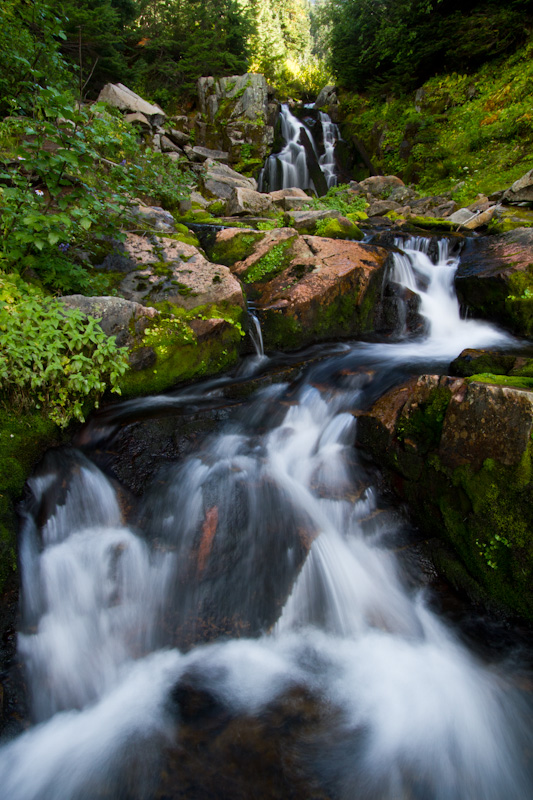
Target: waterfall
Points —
{"points": [[259, 566], [331, 135], [290, 167]]}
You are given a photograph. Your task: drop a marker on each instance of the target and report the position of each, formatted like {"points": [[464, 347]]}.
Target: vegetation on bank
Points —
{"points": [[466, 132]]}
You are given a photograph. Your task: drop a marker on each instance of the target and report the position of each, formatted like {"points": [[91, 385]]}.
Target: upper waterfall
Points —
{"points": [[300, 163]]}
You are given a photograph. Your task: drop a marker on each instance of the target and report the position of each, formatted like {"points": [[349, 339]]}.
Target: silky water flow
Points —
{"points": [[313, 596]]}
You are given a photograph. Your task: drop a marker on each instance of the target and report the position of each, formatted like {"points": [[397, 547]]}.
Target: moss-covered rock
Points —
{"points": [[460, 452], [495, 279], [340, 228], [232, 245], [23, 440]]}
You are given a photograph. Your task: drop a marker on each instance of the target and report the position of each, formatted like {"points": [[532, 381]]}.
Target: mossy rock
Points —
{"points": [[23, 440], [173, 353], [236, 248], [338, 229], [429, 224]]}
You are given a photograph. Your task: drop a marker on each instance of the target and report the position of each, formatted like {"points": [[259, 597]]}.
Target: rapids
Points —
{"points": [[261, 564]]}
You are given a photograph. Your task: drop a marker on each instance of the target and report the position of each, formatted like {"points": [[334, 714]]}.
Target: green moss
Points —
{"points": [[503, 380], [430, 223], [338, 229], [519, 302], [281, 331], [272, 263], [238, 248], [23, 441]]}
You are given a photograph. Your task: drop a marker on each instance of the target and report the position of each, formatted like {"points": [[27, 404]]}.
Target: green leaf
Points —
{"points": [[85, 223]]}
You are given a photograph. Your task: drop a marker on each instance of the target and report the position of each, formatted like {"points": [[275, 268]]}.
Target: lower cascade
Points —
{"points": [[260, 591]]}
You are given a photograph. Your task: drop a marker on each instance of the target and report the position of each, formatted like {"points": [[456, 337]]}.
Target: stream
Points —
{"points": [[258, 623]]}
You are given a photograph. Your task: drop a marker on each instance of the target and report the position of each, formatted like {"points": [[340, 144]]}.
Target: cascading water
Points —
{"points": [[289, 168], [271, 530], [331, 135]]}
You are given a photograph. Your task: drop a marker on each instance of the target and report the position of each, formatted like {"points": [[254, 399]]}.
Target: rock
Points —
{"points": [[314, 288], [247, 201], [340, 228], [178, 137], [445, 210], [471, 220], [327, 96], [249, 246], [295, 203], [199, 200], [381, 186], [218, 180], [236, 113], [155, 216], [202, 154], [139, 120], [121, 97], [460, 453], [402, 195], [168, 146], [305, 221], [279, 195], [495, 279], [123, 319], [163, 270], [522, 190], [380, 207]]}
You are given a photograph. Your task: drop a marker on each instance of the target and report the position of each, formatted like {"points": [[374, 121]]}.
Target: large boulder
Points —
{"points": [[218, 180], [495, 279], [119, 96], [308, 288], [521, 191], [459, 452], [247, 201], [235, 116], [167, 271]]}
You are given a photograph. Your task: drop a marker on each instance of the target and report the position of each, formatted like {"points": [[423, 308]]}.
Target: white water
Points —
{"points": [[331, 135], [291, 162], [417, 716]]}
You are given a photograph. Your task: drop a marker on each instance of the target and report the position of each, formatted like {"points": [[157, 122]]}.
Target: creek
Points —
{"points": [[259, 622]]}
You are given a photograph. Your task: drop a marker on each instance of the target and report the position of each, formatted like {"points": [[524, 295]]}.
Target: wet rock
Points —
{"points": [[460, 453], [318, 288], [495, 279]]}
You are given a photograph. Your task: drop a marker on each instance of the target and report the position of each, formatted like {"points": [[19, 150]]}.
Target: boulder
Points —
{"points": [[163, 270], [123, 319], [139, 120], [521, 191], [218, 180], [202, 154], [168, 146], [379, 208], [327, 96], [471, 220], [295, 203], [247, 201], [305, 221], [178, 137], [279, 195], [308, 288], [155, 216], [119, 96], [495, 279], [460, 453], [381, 186]]}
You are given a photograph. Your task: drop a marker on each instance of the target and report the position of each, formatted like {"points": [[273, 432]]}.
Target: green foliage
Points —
{"points": [[397, 44], [342, 199], [473, 132], [70, 361]]}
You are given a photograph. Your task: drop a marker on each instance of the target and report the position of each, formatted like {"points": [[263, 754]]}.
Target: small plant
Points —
{"points": [[70, 361], [342, 199], [270, 264], [489, 550]]}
